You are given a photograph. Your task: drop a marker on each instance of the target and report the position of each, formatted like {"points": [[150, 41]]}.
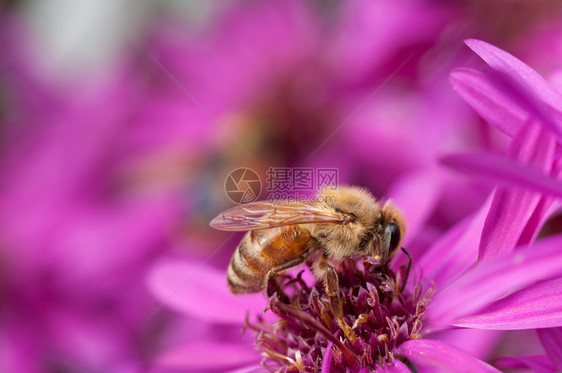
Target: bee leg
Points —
{"points": [[407, 269], [273, 287], [270, 276], [333, 290]]}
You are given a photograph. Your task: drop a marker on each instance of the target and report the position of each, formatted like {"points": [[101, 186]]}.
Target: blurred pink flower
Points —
{"points": [[487, 271], [76, 236]]}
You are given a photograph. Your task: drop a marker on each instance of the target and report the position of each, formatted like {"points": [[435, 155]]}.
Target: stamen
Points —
{"points": [[383, 314]]}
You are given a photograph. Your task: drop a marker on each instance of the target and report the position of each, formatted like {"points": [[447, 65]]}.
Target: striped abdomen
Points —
{"points": [[263, 250]]}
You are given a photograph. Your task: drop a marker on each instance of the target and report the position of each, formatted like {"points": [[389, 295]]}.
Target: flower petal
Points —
{"points": [[456, 251], [488, 100], [396, 366], [530, 90], [201, 291], [327, 358], [367, 41], [491, 280], [441, 357], [258, 368], [511, 208], [476, 342], [538, 306], [208, 355], [535, 363], [551, 339], [545, 209], [503, 170], [508, 172], [529, 79]]}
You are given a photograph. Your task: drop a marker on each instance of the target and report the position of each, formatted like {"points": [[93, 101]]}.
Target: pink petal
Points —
{"points": [[523, 84], [509, 172], [20, 349], [327, 358], [99, 240], [441, 357], [491, 102], [476, 342], [529, 79], [545, 209], [492, 280], [258, 368], [396, 366], [538, 306], [503, 170], [551, 339], [455, 251], [208, 355], [201, 291], [366, 40], [512, 208], [537, 364]]}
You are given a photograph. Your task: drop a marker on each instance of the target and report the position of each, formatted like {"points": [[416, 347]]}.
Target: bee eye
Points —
{"points": [[394, 235]]}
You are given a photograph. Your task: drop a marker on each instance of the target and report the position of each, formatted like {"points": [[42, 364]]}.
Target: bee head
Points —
{"points": [[388, 232]]}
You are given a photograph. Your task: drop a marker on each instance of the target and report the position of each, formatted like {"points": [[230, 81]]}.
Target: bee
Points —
{"points": [[347, 222]]}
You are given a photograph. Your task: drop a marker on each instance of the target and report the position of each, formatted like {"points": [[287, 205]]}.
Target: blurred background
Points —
{"points": [[121, 120]]}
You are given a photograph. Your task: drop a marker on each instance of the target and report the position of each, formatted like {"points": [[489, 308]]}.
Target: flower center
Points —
{"points": [[381, 314]]}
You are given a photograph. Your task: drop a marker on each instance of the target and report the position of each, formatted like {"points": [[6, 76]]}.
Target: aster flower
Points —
{"points": [[306, 334], [514, 286]]}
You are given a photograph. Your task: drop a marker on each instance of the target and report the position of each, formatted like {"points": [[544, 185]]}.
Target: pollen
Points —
{"points": [[381, 313]]}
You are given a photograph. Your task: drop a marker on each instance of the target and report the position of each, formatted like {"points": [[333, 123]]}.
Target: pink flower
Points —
{"points": [[76, 235], [487, 271]]}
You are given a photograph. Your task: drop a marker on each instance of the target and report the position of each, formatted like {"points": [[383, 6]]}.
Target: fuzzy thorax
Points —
{"points": [[365, 234]]}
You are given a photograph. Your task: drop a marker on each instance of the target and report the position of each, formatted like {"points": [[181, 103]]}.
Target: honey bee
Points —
{"points": [[346, 222]]}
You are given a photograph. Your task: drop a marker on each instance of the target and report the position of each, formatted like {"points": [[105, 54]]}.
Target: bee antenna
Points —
{"points": [[407, 270]]}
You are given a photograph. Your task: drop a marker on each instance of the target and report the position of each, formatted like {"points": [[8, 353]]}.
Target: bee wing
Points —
{"points": [[263, 215]]}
